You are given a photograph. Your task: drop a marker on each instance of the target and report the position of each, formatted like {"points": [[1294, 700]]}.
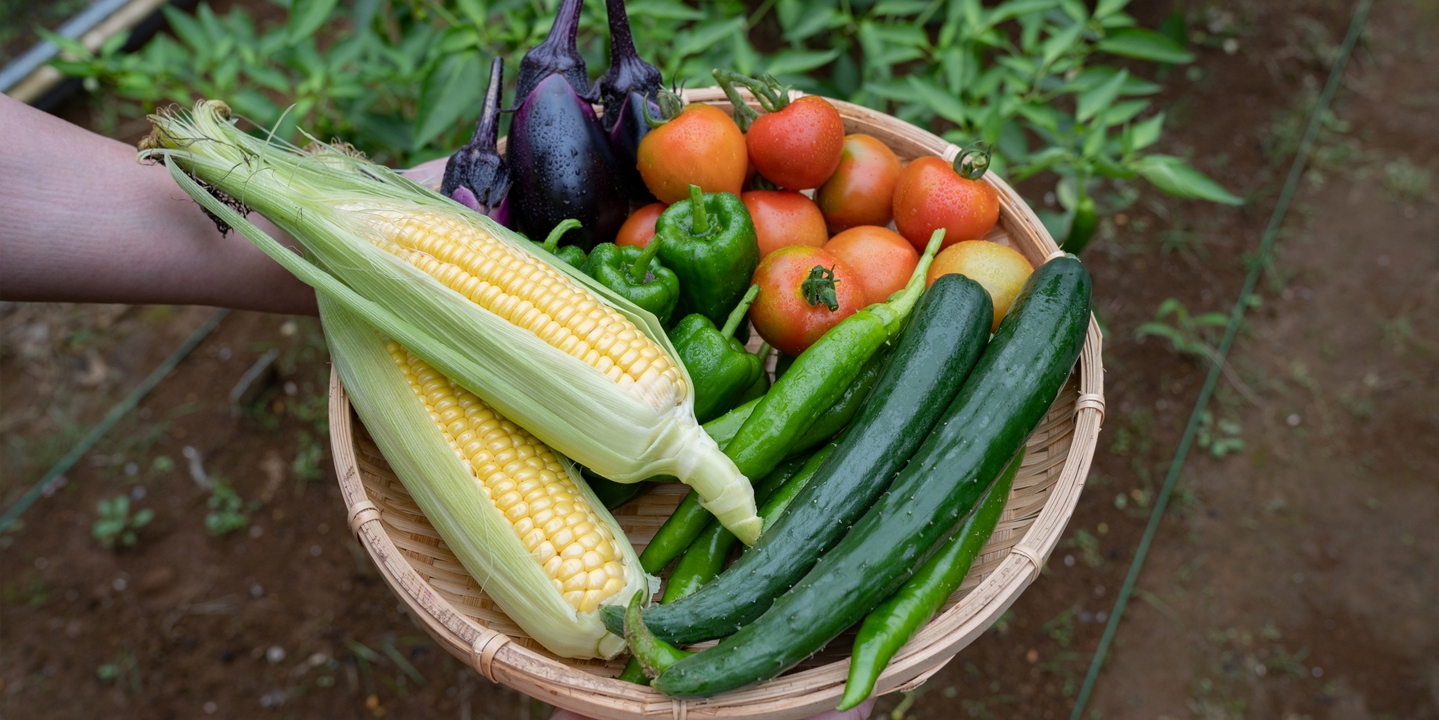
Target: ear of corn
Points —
{"points": [[582, 368], [517, 516]]}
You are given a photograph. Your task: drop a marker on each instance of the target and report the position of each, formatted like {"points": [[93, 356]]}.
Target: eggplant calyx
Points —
{"points": [[628, 71], [557, 54], [478, 167]]}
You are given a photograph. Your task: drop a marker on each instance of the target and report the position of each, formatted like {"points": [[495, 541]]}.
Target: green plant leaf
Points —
{"points": [[707, 34], [1090, 102], [799, 61], [448, 93], [142, 518], [1146, 132], [306, 16], [1016, 8], [662, 10], [113, 44], [1059, 43], [1176, 177], [1095, 75], [1106, 8], [1075, 9], [941, 102], [1122, 112], [887, 8], [1144, 45]]}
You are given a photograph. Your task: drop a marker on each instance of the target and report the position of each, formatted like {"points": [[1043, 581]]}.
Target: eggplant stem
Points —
{"points": [[700, 224], [642, 264], [736, 315]]}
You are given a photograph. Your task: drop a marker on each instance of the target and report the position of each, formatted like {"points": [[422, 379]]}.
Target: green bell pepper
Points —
{"points": [[709, 242], [720, 367], [569, 254], [632, 272]]}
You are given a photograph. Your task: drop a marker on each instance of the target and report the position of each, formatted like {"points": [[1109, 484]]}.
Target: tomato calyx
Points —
{"points": [[771, 95], [670, 105], [760, 182], [819, 287], [973, 161]]}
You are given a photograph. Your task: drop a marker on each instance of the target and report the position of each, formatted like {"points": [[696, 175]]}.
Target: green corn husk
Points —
{"points": [[625, 434], [441, 484]]}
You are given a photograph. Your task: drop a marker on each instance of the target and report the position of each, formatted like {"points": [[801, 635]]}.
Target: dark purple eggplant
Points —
{"points": [[557, 54], [625, 139], [562, 167], [628, 73], [477, 176]]}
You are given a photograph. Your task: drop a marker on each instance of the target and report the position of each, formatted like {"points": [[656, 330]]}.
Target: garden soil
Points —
{"points": [[1290, 578]]}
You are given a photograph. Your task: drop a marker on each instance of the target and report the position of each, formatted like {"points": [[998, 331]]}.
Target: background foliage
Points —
{"points": [[1057, 87]]}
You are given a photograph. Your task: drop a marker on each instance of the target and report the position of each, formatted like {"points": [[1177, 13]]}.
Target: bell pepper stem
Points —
{"points": [[654, 654], [897, 308], [552, 241], [736, 315], [763, 351], [700, 225], [642, 265]]}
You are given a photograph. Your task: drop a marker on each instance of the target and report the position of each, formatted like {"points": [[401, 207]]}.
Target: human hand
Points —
{"points": [[862, 712]]}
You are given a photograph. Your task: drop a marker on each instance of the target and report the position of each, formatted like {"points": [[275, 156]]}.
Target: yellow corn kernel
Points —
{"points": [[528, 486]]}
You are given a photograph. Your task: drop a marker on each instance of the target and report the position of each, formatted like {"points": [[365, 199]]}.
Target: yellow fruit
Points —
{"points": [[999, 269]]}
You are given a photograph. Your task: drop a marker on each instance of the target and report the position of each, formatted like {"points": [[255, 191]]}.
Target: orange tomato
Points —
{"points": [[701, 146], [787, 317], [639, 227], [782, 218], [1001, 270], [882, 259], [861, 190], [930, 195]]}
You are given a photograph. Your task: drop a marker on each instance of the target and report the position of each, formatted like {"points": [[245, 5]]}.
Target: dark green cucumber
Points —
{"points": [[983, 428], [944, 339]]}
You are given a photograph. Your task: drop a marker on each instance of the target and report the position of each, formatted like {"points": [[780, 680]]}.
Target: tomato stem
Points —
{"points": [[819, 287], [700, 225], [670, 105], [768, 92], [973, 161]]}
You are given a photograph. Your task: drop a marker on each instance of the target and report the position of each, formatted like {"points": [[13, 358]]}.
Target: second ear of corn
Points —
{"points": [[516, 515], [581, 368]]}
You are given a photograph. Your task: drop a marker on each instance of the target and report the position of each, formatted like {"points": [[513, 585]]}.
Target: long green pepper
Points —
{"points": [[719, 365], [895, 621]]}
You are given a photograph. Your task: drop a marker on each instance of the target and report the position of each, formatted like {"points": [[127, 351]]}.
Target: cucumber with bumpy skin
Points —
{"points": [[1001, 403]]}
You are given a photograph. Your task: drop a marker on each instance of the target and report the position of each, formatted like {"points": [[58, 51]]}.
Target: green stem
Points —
{"points": [[763, 351], [897, 309], [552, 242], [642, 265], [654, 654], [700, 226], [736, 315]]}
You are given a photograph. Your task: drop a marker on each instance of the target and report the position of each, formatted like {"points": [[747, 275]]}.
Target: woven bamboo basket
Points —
{"points": [[445, 601]]}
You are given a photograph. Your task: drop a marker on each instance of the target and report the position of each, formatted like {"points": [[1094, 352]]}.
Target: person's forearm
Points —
{"points": [[82, 221]]}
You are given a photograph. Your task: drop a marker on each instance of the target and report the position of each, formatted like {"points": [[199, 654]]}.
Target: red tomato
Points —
{"points": [[783, 218], [930, 195], [798, 147], [881, 258], [700, 146], [783, 313], [640, 226], [861, 190]]}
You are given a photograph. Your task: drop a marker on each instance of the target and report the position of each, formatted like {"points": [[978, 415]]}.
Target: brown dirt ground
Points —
{"points": [[1289, 579]]}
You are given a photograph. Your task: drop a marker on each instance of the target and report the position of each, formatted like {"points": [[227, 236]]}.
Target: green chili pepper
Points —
{"points": [[818, 378], [570, 254], [782, 365], [611, 493], [895, 621], [1081, 229], [632, 272], [720, 367], [760, 385], [709, 242], [651, 654], [706, 556], [689, 519]]}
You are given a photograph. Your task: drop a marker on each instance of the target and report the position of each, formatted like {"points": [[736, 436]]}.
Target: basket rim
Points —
{"points": [[792, 695]]}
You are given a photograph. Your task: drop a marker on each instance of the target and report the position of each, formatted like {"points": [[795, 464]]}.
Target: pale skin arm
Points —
{"points": [[82, 221]]}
